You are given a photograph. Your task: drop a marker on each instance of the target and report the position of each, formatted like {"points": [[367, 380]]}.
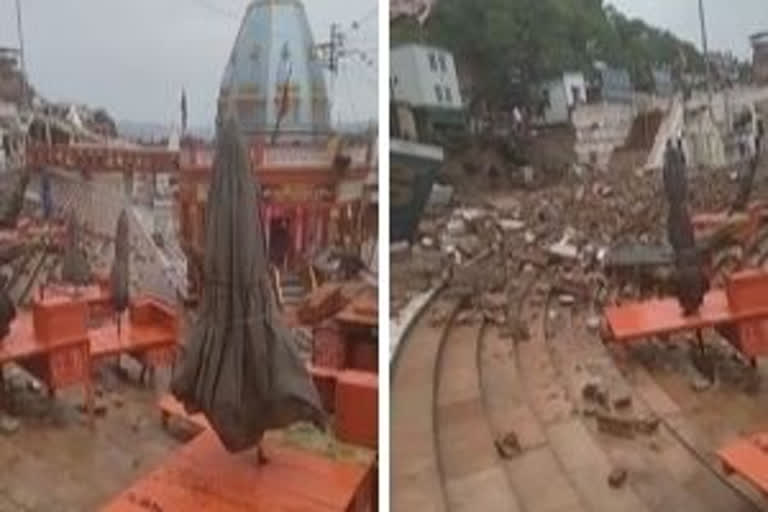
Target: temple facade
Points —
{"points": [[313, 182]]}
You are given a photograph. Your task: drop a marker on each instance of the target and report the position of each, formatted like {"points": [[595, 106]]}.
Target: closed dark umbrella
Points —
{"points": [[14, 202], [7, 309], [75, 269], [45, 195], [240, 366], [119, 278], [691, 282]]}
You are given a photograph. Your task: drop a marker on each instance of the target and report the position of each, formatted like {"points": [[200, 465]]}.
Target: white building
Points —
{"points": [[424, 76], [561, 95]]}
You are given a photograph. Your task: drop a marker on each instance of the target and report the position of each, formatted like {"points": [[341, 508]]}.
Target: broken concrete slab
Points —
{"points": [[615, 425], [511, 225], [564, 250]]}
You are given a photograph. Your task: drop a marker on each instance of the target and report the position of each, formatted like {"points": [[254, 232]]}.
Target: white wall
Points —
{"points": [[558, 103], [417, 71], [562, 97], [571, 81]]}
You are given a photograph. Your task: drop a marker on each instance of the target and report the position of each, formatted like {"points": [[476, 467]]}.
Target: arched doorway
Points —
{"points": [[280, 241]]}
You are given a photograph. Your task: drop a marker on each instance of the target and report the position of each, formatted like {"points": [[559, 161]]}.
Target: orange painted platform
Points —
{"points": [[748, 458], [664, 316], [204, 476]]}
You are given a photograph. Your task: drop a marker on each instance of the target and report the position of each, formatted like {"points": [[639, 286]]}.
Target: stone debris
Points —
{"points": [[622, 400], [615, 425], [511, 224], [593, 323], [508, 446], [626, 426], [617, 478], [34, 386], [700, 384], [9, 425]]}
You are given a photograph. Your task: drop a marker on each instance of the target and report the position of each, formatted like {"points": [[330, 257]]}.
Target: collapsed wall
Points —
{"points": [[603, 128], [600, 129]]}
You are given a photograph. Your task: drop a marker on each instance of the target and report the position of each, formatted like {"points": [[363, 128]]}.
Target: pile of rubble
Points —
{"points": [[573, 223]]}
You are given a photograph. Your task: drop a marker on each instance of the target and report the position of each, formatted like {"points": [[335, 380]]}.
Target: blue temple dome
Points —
{"points": [[274, 74]]}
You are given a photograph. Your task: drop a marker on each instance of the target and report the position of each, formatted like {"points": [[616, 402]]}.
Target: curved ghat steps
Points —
{"points": [[472, 472], [665, 474], [415, 479], [456, 389]]}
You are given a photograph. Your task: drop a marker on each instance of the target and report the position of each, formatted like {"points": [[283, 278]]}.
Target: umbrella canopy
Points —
{"points": [[120, 273], [74, 265], [240, 367]]}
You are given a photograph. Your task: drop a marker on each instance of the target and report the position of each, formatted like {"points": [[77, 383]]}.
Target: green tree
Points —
{"points": [[509, 47]]}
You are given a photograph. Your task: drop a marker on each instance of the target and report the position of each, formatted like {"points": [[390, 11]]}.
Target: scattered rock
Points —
{"points": [[508, 446], [511, 224], [594, 391], [529, 237], [9, 425], [118, 401], [564, 250], [648, 425], [440, 196], [593, 323], [567, 300], [700, 384], [622, 401], [617, 478], [99, 407], [34, 386], [615, 425], [427, 242]]}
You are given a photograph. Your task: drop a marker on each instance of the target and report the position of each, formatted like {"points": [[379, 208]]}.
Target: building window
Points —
{"points": [[432, 62], [443, 67], [448, 95], [439, 93]]}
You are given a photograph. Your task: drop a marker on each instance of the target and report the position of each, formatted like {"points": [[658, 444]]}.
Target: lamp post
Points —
{"points": [[702, 19]]}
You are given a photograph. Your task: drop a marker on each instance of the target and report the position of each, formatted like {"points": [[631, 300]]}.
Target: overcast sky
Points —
{"points": [[134, 57], [729, 22]]}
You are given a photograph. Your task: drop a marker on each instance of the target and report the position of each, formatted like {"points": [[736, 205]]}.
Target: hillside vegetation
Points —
{"points": [[507, 46]]}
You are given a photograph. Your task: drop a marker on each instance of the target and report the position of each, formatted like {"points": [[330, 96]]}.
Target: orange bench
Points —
{"points": [[743, 304], [150, 336], [748, 458], [51, 342]]}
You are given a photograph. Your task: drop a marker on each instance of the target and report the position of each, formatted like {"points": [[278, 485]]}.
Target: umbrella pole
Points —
{"points": [[263, 460]]}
